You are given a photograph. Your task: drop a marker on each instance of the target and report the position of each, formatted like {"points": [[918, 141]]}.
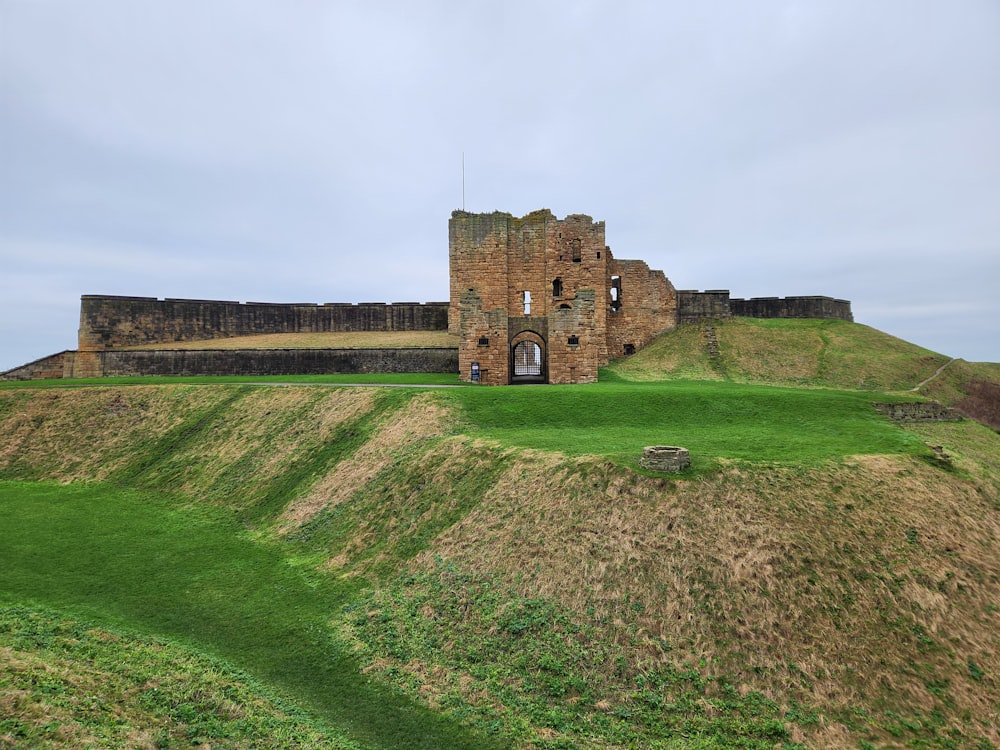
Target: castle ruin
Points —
{"points": [[534, 299], [543, 300], [539, 299]]}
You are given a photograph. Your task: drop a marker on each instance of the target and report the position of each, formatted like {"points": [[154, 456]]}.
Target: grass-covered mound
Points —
{"points": [[822, 578], [827, 353]]}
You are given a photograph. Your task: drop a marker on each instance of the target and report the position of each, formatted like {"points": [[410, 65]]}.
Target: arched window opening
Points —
{"points": [[557, 289], [576, 248]]}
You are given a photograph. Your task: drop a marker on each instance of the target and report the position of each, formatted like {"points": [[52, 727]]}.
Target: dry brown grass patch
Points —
{"points": [[760, 354], [422, 419], [87, 433], [262, 431], [822, 582]]}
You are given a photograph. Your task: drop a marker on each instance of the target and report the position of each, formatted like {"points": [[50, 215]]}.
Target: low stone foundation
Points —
{"points": [[919, 411], [665, 458], [118, 363]]}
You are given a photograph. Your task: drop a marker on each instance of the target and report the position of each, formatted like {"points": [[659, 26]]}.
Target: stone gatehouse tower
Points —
{"points": [[542, 300]]}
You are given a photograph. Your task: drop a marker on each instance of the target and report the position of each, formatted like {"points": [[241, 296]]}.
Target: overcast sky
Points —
{"points": [[311, 150]]}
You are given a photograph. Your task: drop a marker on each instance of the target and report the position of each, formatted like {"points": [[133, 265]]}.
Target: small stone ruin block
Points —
{"points": [[665, 458]]}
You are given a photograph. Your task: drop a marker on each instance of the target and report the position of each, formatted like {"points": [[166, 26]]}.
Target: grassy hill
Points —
{"points": [[827, 353], [237, 565]]}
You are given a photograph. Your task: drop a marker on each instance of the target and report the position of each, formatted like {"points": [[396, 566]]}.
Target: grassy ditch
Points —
{"points": [[69, 683], [543, 678], [349, 546], [136, 562]]}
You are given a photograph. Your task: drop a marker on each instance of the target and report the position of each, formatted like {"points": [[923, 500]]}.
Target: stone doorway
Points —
{"points": [[527, 359]]}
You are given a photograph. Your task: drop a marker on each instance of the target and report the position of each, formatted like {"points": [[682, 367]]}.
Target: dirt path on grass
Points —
{"points": [[937, 372]]}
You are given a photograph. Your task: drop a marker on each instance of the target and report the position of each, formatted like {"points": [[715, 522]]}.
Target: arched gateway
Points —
{"points": [[527, 359]]}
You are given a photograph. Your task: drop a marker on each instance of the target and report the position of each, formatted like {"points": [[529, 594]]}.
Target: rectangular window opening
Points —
{"points": [[616, 293]]}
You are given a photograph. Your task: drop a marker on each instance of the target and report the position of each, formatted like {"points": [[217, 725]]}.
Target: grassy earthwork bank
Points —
{"points": [[238, 564]]}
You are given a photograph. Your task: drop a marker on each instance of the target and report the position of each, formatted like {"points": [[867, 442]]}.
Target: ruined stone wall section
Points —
{"points": [[58, 365], [646, 306], [477, 258], [188, 362], [496, 259], [108, 322], [484, 341], [526, 263], [275, 361], [574, 341], [578, 258]]}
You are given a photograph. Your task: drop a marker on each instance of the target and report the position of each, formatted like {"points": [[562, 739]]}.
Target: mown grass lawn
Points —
{"points": [[714, 420], [192, 574]]}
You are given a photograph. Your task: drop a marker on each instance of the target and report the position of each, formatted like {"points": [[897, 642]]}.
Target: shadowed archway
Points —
{"points": [[528, 359]]}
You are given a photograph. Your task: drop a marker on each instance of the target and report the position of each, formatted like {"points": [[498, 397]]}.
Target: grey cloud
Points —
{"points": [[312, 151]]}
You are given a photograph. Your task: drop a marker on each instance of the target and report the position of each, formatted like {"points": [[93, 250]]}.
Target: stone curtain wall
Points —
{"points": [[792, 307], [693, 306], [108, 322], [647, 306], [277, 361], [119, 363]]}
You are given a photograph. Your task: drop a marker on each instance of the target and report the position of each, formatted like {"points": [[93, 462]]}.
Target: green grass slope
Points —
{"points": [[827, 353], [68, 683], [403, 568]]}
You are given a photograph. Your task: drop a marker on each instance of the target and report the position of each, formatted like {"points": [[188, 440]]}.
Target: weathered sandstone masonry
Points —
{"points": [[108, 322], [541, 299]]}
